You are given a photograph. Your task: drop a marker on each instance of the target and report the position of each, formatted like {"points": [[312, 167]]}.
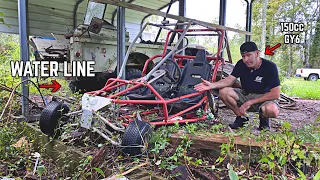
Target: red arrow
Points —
{"points": [[55, 86], [269, 51]]}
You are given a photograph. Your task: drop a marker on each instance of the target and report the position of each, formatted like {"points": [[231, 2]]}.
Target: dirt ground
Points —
{"points": [[305, 111]]}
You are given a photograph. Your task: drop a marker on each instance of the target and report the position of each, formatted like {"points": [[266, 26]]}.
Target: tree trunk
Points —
{"points": [[264, 26], [290, 68], [290, 61], [307, 47]]}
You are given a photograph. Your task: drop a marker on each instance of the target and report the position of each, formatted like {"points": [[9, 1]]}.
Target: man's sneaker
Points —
{"points": [[264, 123], [239, 122]]}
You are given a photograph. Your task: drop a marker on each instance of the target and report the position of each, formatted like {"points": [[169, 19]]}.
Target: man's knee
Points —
{"points": [[223, 92], [271, 110]]}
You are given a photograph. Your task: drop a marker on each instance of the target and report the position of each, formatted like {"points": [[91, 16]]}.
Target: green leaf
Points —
{"points": [[271, 156], [301, 174], [232, 175], [301, 155], [271, 165], [99, 171], [317, 176], [286, 125], [294, 157], [1, 14], [295, 151], [198, 162], [264, 160], [172, 167], [41, 170], [174, 157]]}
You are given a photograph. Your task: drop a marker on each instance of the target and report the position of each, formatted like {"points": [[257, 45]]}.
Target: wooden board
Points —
{"points": [[211, 140]]}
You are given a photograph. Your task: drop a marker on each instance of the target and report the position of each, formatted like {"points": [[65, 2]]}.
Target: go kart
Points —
{"points": [[165, 95]]}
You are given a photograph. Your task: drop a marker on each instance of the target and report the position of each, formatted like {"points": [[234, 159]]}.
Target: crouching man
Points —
{"points": [[260, 87]]}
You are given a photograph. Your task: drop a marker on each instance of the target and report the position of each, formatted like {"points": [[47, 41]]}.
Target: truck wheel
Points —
{"points": [[305, 78], [138, 133], [50, 116], [73, 86], [313, 77], [133, 73]]}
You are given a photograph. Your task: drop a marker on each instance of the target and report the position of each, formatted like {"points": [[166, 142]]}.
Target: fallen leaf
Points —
{"points": [[158, 162], [241, 172], [21, 143]]}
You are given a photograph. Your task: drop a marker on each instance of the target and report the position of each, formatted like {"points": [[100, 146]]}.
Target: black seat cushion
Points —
{"points": [[193, 72], [191, 76]]}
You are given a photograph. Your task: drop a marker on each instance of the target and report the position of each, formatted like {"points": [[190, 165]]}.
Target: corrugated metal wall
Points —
{"points": [[44, 17], [56, 16]]}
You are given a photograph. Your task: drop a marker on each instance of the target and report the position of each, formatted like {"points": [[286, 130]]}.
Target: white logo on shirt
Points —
{"points": [[258, 79]]}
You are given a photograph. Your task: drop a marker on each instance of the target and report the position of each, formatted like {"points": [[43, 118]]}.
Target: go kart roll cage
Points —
{"points": [[114, 83]]}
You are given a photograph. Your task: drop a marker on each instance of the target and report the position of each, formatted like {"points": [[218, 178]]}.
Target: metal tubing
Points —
{"points": [[129, 50], [24, 52], [147, 62], [106, 137], [169, 24], [144, 18], [164, 18], [182, 12], [249, 18], [115, 13], [109, 123], [169, 54], [121, 41], [75, 13], [222, 18], [190, 108], [73, 113], [179, 121]]}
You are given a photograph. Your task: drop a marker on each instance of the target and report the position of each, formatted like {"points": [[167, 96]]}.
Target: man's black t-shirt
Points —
{"points": [[260, 80]]}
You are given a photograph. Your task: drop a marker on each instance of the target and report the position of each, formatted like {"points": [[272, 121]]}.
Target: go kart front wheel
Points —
{"points": [[51, 115], [136, 138]]}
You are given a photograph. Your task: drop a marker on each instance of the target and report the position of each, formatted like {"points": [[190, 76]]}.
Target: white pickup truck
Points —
{"points": [[308, 74]]}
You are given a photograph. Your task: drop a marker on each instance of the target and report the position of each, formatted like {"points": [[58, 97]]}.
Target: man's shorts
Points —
{"points": [[244, 97]]}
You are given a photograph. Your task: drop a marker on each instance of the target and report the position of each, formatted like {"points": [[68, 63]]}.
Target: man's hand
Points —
{"points": [[205, 85], [244, 107]]}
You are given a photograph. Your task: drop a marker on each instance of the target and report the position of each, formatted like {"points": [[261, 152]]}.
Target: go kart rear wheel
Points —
{"points": [[138, 133], [213, 103], [51, 115]]}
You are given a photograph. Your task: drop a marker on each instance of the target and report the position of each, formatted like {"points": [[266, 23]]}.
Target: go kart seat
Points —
{"points": [[191, 76], [193, 72], [160, 85]]}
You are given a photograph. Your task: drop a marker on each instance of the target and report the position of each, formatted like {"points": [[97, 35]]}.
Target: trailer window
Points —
{"points": [[94, 9]]}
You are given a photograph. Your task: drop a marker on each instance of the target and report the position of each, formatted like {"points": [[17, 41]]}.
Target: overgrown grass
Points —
{"points": [[298, 87]]}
